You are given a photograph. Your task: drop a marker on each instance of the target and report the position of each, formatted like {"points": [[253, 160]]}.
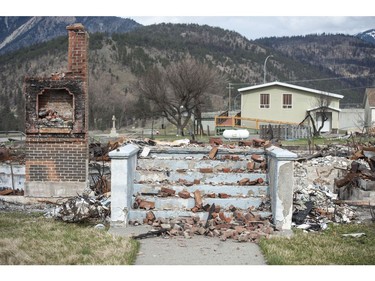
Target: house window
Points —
{"points": [[287, 100], [264, 100]]}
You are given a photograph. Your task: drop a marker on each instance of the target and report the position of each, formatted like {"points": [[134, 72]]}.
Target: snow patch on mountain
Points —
{"points": [[19, 31]]}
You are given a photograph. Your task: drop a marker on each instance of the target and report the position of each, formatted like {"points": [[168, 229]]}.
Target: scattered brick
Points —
{"points": [[223, 195], [184, 194], [147, 205], [197, 181], [258, 142], [150, 216], [244, 181], [250, 166], [181, 170], [245, 143], [195, 209], [216, 141], [211, 195], [206, 170], [165, 192], [226, 170], [257, 158], [213, 152], [198, 199]]}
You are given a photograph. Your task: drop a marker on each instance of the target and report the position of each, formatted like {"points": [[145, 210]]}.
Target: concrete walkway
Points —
{"points": [[199, 250]]}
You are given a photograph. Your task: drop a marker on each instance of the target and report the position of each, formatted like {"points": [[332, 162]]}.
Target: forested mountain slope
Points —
{"points": [[117, 60]]}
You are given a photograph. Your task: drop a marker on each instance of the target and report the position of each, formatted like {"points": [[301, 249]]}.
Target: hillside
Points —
{"points": [[116, 60], [19, 32], [348, 59]]}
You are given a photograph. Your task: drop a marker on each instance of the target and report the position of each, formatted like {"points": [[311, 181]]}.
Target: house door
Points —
{"points": [[327, 124]]}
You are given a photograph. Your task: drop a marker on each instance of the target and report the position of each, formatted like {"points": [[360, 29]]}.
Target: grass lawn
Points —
{"points": [[328, 247], [31, 239]]}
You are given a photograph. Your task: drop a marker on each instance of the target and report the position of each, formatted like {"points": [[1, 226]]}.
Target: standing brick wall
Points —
{"points": [[56, 160]]}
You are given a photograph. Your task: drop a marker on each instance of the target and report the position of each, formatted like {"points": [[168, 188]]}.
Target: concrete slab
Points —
{"points": [[199, 250]]}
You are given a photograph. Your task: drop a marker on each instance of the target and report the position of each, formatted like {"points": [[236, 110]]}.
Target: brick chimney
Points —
{"points": [[57, 151], [77, 52]]}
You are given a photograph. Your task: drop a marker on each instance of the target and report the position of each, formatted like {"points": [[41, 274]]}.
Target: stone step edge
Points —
{"points": [[204, 197], [136, 213]]}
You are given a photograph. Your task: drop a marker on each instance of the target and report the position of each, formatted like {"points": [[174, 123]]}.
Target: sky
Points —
{"points": [[249, 18], [254, 27]]}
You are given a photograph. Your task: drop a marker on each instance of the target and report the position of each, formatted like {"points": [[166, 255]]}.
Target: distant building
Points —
{"points": [[369, 105], [282, 102]]}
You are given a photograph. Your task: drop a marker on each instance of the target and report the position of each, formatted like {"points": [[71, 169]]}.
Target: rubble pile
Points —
{"points": [[241, 226], [51, 118], [83, 208], [324, 182]]}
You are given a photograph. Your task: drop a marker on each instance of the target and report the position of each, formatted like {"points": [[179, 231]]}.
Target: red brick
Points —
{"points": [[164, 191], [211, 195], [198, 199], [257, 158], [244, 181], [226, 170], [197, 181], [216, 141], [223, 195], [258, 142], [213, 153], [245, 143], [250, 166], [147, 205], [206, 170], [184, 194]]}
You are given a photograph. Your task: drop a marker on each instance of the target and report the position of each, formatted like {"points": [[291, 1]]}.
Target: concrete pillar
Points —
{"points": [[123, 166], [280, 173]]}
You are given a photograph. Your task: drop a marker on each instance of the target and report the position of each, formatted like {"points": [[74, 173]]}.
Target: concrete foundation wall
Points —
{"points": [[54, 189]]}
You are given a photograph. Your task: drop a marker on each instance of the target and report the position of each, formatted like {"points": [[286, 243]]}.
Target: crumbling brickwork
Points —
{"points": [[57, 125]]}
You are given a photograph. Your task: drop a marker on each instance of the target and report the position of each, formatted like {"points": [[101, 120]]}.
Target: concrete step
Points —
{"points": [[200, 152], [190, 176], [232, 190], [177, 203], [190, 164], [139, 215]]}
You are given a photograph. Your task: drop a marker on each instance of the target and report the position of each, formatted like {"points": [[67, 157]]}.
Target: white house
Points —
{"points": [[282, 102]]}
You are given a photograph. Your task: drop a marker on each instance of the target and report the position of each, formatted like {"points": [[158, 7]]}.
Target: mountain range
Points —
{"points": [[18, 32], [121, 50]]}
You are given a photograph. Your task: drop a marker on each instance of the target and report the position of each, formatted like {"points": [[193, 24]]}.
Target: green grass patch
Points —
{"points": [[328, 247], [31, 239]]}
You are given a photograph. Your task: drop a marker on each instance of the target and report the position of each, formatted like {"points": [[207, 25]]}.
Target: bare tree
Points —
{"points": [[178, 92], [322, 104]]}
